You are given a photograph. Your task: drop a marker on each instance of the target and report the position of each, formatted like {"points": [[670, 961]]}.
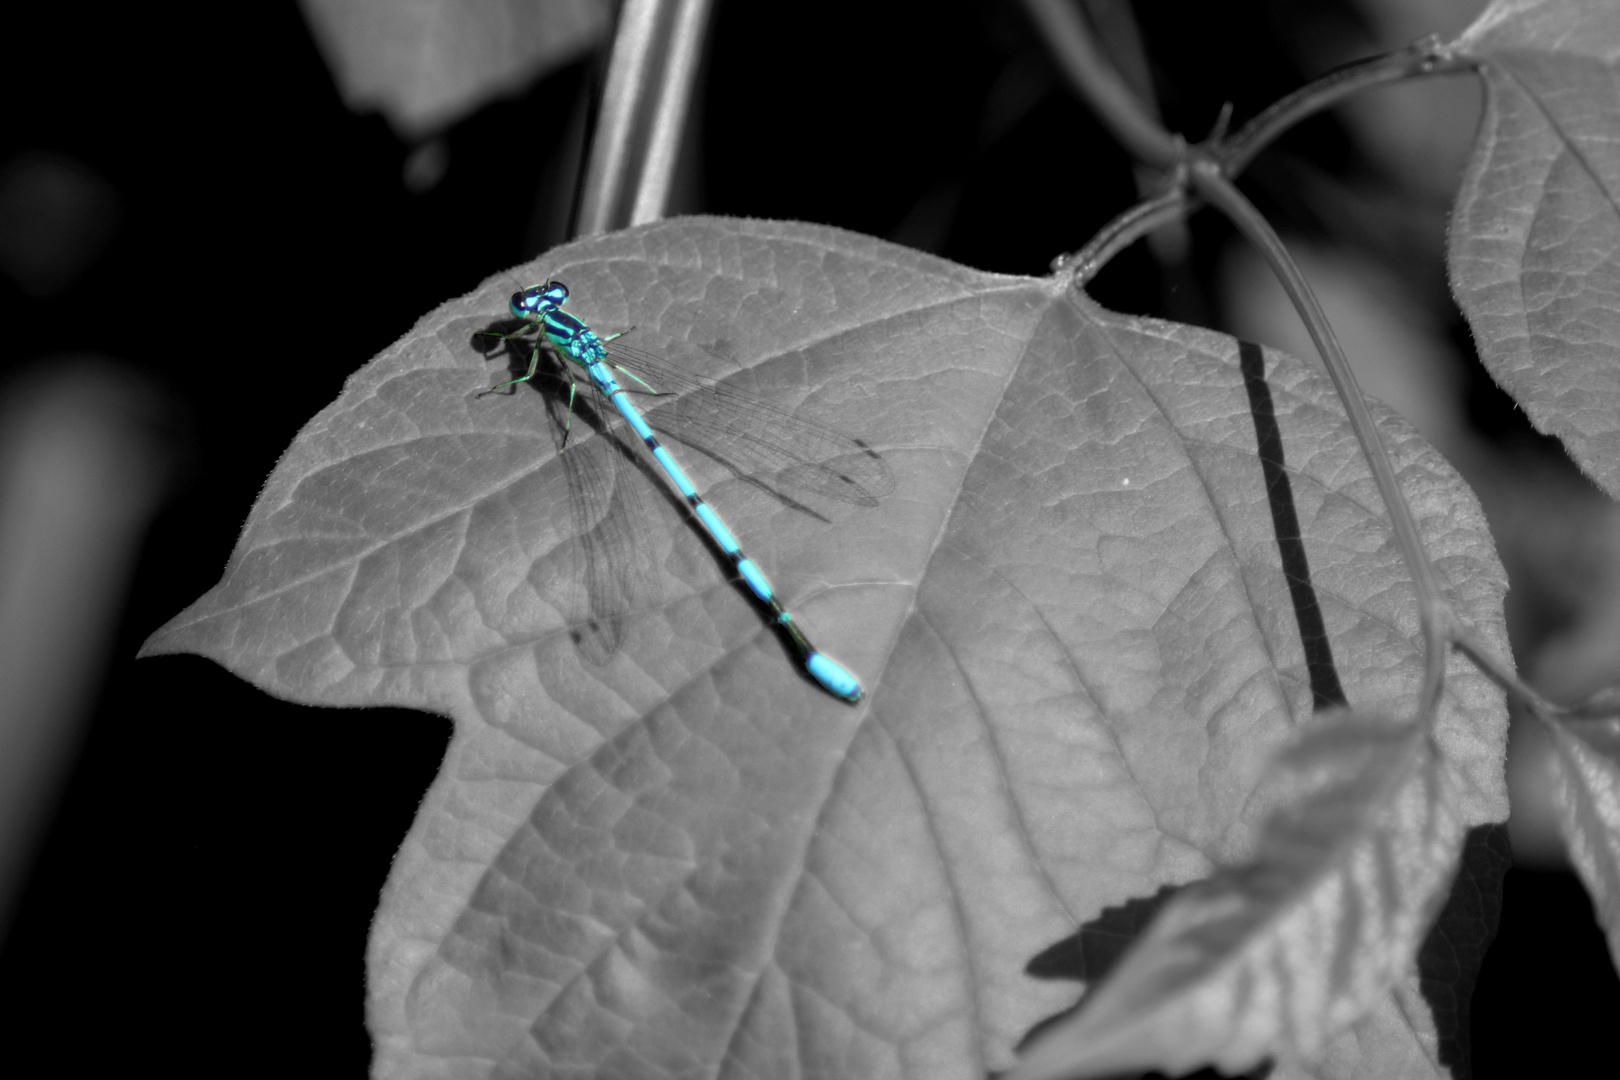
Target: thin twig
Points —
{"points": [[1100, 86], [1122, 232], [1428, 57], [1434, 613], [1603, 705]]}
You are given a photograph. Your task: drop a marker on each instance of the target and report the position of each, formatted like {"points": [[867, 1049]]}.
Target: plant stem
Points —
{"points": [[1425, 58], [1122, 232], [636, 143], [1434, 613], [1421, 59], [1099, 85]]}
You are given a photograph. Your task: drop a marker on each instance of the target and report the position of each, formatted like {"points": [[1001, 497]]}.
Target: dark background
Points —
{"points": [[203, 896]]}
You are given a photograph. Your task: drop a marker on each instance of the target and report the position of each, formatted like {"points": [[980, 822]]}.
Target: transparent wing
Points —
{"points": [[611, 562], [611, 572], [749, 435]]}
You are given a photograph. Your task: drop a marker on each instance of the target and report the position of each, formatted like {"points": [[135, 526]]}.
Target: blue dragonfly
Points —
{"points": [[752, 437]]}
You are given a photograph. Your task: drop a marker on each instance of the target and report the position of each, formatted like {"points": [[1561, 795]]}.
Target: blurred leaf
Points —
{"points": [[425, 63], [1276, 955], [1535, 236], [1587, 794], [1080, 643]]}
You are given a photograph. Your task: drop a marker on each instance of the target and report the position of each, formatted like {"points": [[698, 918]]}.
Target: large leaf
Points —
{"points": [[1078, 618], [1535, 236]]}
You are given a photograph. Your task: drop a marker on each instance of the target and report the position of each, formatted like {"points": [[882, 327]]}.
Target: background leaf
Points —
{"points": [[1587, 793], [424, 63], [1079, 640], [1535, 237], [1270, 958]]}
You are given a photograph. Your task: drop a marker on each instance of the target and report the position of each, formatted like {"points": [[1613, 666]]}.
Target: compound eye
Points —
{"points": [[523, 305], [556, 292]]}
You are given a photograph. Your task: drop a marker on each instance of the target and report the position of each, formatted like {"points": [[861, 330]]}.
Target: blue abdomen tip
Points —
{"points": [[833, 677]]}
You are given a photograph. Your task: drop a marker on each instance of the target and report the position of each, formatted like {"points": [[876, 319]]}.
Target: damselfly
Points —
{"points": [[752, 437]]}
